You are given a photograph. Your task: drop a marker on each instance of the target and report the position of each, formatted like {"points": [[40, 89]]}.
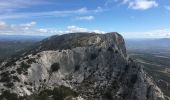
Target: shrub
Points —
{"points": [[25, 83], [5, 77], [126, 67], [31, 60], [9, 96], [62, 92], [16, 78], [58, 93], [9, 85], [100, 50], [130, 59], [133, 78], [116, 51], [148, 92], [55, 67], [24, 66], [19, 70], [108, 95], [25, 73], [110, 49], [10, 63], [93, 56], [13, 72], [115, 85], [44, 95], [77, 67]]}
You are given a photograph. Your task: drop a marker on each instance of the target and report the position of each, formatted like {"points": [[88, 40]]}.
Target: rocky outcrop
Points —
{"points": [[95, 66]]}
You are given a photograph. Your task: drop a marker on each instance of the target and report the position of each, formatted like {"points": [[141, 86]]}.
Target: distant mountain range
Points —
{"points": [[144, 44], [21, 38]]}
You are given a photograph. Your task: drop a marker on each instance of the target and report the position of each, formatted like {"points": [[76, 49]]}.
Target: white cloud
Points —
{"points": [[29, 24], [82, 10], [72, 29], [42, 30], [2, 25], [98, 31], [88, 18], [142, 4], [21, 29], [11, 5], [162, 33], [125, 1], [29, 29], [19, 3], [167, 7], [135, 4], [58, 13]]}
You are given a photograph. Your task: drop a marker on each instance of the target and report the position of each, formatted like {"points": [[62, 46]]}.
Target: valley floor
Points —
{"points": [[156, 64]]}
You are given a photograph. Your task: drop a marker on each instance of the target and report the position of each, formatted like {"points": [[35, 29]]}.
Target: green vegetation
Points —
{"points": [[19, 70], [116, 51], [93, 56], [9, 84], [24, 65], [55, 67], [23, 68], [13, 72], [155, 64], [134, 78], [77, 67], [6, 95], [15, 78], [68, 41], [58, 93], [108, 96], [5, 77], [8, 79], [126, 68], [110, 49], [10, 48], [31, 60]]}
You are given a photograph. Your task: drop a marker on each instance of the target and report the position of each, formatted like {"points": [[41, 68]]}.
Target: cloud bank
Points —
{"points": [[142, 4], [29, 29], [161, 33], [56, 13], [88, 18], [135, 4]]}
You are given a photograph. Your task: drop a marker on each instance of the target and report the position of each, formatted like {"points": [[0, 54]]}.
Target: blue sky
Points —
{"points": [[131, 18]]}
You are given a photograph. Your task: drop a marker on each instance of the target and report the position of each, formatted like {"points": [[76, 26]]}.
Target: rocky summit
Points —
{"points": [[76, 66]]}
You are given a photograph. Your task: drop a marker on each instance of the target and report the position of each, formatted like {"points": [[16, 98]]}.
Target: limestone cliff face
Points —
{"points": [[94, 65]]}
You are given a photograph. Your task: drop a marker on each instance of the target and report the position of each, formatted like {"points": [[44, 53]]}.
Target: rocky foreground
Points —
{"points": [[77, 66]]}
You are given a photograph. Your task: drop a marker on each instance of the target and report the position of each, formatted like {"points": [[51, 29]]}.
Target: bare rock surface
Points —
{"points": [[96, 66]]}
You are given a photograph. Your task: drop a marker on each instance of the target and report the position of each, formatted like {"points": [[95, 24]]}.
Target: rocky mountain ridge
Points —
{"points": [[93, 66]]}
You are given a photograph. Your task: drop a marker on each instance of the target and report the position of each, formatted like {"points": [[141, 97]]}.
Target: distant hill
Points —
{"points": [[12, 44], [154, 55], [151, 44], [21, 38]]}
